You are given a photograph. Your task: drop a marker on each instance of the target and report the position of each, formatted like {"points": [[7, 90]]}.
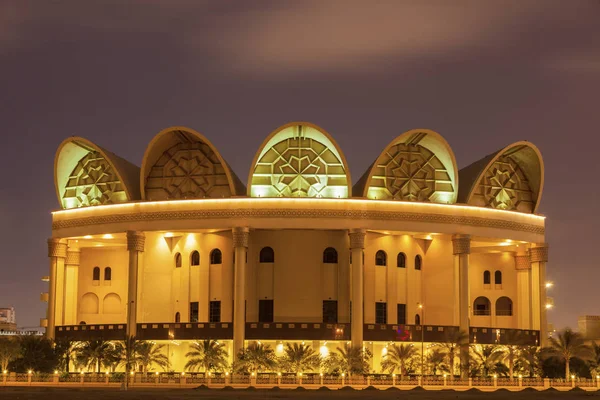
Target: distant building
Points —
{"points": [[8, 320], [589, 326]]}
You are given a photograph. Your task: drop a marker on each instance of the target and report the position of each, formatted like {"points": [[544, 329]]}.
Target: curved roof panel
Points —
{"points": [[418, 165], [85, 174], [180, 163], [299, 159], [509, 179]]}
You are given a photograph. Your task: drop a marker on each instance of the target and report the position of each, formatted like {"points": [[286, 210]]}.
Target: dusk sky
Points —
{"points": [[483, 74]]}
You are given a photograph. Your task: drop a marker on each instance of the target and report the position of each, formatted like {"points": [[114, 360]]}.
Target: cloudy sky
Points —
{"points": [[482, 73]]}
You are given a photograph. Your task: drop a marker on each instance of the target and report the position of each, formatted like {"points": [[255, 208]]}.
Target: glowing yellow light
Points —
{"points": [[548, 306], [495, 376], [428, 237], [420, 305], [169, 234], [30, 372], [226, 373], [279, 348], [183, 374], [343, 374], [208, 373], [55, 372], [321, 374], [87, 236], [384, 351], [108, 236], [324, 351], [299, 373], [156, 373], [107, 372], [445, 376], [81, 372], [549, 285], [279, 374], [520, 376], [253, 374], [5, 372], [572, 376]]}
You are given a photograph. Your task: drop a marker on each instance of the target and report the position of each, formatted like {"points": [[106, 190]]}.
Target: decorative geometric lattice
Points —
{"points": [[410, 172], [299, 167], [187, 170], [93, 182], [504, 186]]}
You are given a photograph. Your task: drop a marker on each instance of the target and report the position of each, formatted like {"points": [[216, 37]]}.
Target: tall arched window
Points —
{"points": [[504, 306], [417, 319], [178, 260], [195, 258], [177, 317], [96, 274], [267, 255], [107, 274], [401, 260], [216, 257], [498, 277], [330, 256], [418, 262], [487, 277], [482, 306], [381, 258]]}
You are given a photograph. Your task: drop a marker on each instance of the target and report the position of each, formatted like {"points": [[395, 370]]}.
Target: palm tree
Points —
{"points": [[207, 355], [435, 359], [529, 358], [595, 359], [9, 350], [92, 352], [35, 353], [148, 353], [349, 360], [512, 350], [397, 357], [454, 341], [299, 358], [65, 350], [485, 358], [256, 357], [568, 345]]}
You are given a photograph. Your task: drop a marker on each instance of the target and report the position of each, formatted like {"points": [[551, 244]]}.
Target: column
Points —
{"points": [[135, 245], [57, 252], [523, 306], [461, 248], [538, 257], [240, 248], [357, 246], [71, 284]]}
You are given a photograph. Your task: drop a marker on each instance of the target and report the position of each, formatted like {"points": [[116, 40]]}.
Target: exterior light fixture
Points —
{"points": [[183, 374], [278, 374], [549, 285], [253, 374], [548, 306], [226, 373], [107, 372], [572, 376], [156, 373], [87, 237], [83, 372], [55, 372], [108, 236], [5, 372], [30, 372]]}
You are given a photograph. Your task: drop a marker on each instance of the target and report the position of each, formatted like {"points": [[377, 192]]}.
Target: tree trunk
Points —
{"points": [[511, 366], [568, 369]]}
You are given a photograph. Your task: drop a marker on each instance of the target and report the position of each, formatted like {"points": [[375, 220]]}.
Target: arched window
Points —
{"points": [[487, 277], [401, 260], [330, 256], [417, 319], [381, 258], [177, 317], [267, 255], [498, 277], [216, 257], [178, 260], [418, 262], [107, 274], [195, 258], [96, 274], [504, 306], [481, 306]]}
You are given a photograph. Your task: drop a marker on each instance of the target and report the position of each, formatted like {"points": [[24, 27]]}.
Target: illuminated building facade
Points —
{"points": [[180, 249]]}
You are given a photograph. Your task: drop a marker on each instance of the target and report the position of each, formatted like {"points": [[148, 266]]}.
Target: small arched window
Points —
{"points": [[178, 260], [418, 262], [401, 261], [216, 257], [498, 277], [107, 274], [267, 255], [417, 319], [381, 258], [487, 277], [177, 317], [482, 306], [96, 274], [195, 258], [330, 256]]}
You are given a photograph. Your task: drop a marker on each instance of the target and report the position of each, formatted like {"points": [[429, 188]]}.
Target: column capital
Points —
{"points": [[522, 262], [538, 253], [240, 236], [57, 248], [357, 238], [136, 241], [73, 257], [461, 244]]}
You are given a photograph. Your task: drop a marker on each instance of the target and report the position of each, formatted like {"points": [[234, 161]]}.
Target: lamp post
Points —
{"points": [[420, 305]]}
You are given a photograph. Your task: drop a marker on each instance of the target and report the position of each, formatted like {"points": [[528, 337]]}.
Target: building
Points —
{"points": [[589, 326], [8, 320], [180, 249]]}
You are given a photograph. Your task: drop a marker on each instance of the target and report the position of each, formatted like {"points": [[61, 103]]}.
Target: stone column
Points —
{"points": [[57, 252], [135, 245], [70, 296], [523, 307], [538, 257], [357, 246], [461, 248], [240, 248]]}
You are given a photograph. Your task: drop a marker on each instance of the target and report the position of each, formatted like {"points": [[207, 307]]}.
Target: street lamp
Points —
{"points": [[420, 306]]}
